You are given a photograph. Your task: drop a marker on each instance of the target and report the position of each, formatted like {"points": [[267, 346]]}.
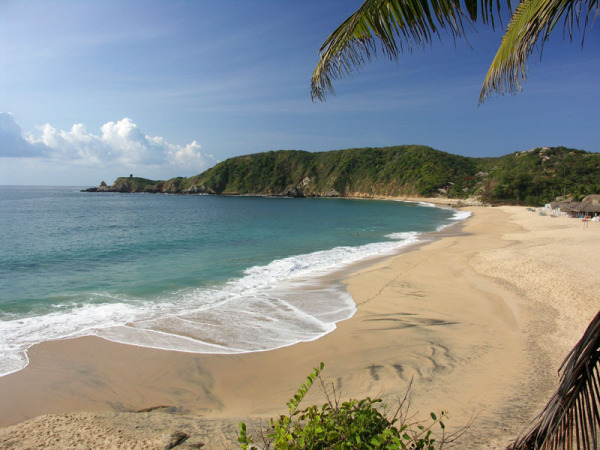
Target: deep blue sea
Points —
{"points": [[199, 274]]}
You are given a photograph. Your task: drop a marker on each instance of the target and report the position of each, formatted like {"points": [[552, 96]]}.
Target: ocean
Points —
{"points": [[202, 274]]}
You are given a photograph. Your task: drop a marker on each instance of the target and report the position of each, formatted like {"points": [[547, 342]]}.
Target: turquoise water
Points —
{"points": [[190, 273]]}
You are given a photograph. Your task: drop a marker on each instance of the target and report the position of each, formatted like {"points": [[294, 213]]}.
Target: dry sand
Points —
{"points": [[479, 319]]}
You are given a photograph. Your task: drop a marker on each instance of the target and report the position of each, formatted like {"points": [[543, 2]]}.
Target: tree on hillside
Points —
{"points": [[397, 25]]}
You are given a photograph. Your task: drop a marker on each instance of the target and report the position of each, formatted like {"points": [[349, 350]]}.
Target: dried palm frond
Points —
{"points": [[571, 419]]}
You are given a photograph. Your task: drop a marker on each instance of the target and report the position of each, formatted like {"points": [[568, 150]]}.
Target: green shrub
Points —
{"points": [[354, 424]]}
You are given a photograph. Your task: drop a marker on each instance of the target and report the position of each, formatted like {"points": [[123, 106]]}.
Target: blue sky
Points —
{"points": [[92, 90]]}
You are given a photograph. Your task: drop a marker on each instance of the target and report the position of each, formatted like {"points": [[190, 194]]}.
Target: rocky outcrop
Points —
{"points": [[117, 186], [198, 190], [151, 187], [294, 192]]}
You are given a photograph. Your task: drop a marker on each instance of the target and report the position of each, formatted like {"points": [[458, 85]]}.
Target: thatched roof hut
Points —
{"points": [[567, 207], [592, 198], [589, 205]]}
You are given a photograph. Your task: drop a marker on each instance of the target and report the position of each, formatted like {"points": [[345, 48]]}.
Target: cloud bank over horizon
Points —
{"points": [[120, 145]]}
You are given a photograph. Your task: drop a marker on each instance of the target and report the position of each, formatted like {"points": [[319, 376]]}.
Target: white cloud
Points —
{"points": [[119, 144], [12, 143], [187, 156]]}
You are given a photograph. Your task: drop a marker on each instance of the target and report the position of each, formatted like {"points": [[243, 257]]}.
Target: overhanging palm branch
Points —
{"points": [[571, 419], [532, 21], [396, 25]]}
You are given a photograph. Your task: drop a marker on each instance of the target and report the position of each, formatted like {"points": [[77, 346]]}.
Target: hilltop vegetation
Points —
{"points": [[532, 177], [540, 175]]}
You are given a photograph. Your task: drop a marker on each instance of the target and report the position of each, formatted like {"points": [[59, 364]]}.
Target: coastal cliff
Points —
{"points": [[531, 177]]}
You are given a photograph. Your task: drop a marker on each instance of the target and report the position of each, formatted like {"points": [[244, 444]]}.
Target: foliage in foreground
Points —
{"points": [[348, 425]]}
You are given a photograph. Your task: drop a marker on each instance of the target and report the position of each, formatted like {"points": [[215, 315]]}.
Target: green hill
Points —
{"points": [[532, 177]]}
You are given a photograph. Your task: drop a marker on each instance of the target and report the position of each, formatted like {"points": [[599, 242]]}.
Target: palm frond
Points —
{"points": [[571, 419], [395, 24], [531, 23]]}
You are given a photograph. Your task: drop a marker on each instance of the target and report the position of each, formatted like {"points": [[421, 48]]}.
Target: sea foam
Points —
{"points": [[271, 306]]}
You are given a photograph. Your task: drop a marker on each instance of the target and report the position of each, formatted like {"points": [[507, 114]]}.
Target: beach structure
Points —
{"points": [[562, 207], [590, 205]]}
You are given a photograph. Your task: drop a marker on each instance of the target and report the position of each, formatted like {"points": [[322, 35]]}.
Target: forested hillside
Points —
{"points": [[531, 177]]}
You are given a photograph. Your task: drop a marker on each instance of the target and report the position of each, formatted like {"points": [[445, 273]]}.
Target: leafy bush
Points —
{"points": [[353, 424]]}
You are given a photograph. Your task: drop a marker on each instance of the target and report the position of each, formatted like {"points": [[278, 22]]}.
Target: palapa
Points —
{"points": [[590, 204], [568, 206], [588, 207]]}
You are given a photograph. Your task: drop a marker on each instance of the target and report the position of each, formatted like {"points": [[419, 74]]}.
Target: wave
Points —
{"points": [[458, 216], [270, 306]]}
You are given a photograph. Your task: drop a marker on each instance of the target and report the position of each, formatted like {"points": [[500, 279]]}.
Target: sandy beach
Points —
{"points": [[479, 319]]}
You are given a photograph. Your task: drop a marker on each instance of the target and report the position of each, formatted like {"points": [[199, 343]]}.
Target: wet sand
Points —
{"points": [[479, 320]]}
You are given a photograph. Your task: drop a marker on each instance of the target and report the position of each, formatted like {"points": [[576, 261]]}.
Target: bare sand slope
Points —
{"points": [[479, 320]]}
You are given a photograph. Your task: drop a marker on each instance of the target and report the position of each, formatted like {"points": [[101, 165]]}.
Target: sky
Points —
{"points": [[94, 90]]}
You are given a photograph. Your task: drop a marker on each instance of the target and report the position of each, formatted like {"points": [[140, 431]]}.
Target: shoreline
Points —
{"points": [[479, 320], [329, 280]]}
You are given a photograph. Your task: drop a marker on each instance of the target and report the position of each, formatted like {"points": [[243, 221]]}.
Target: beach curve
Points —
{"points": [[479, 320]]}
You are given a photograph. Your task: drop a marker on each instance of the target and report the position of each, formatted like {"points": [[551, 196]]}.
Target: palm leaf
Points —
{"points": [[532, 21], [571, 419], [395, 25]]}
